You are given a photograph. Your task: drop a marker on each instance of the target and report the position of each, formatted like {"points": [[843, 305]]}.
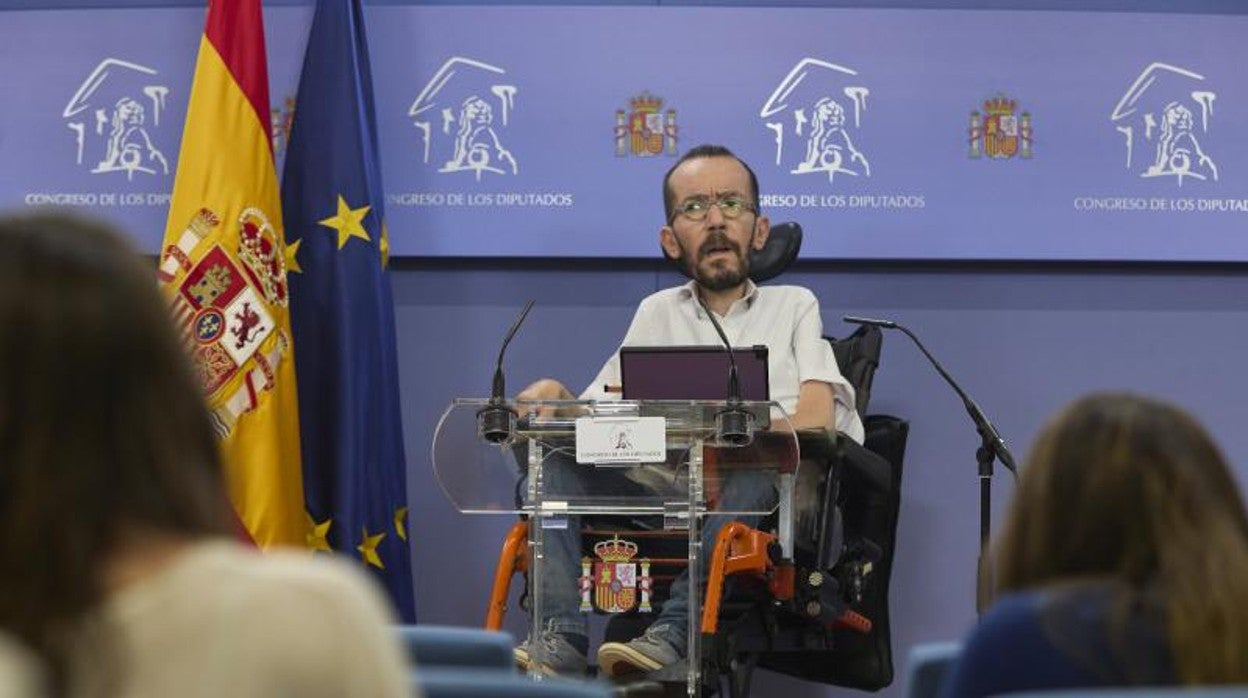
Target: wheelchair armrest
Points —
{"points": [[817, 444], [869, 468], [864, 467]]}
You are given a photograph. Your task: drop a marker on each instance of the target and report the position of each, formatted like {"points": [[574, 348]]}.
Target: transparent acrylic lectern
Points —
{"points": [[666, 462]]}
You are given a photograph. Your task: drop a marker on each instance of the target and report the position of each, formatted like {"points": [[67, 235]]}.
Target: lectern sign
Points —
{"points": [[621, 440]]}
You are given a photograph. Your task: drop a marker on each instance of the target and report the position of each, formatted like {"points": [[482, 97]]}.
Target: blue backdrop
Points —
{"points": [[1022, 337], [527, 131]]}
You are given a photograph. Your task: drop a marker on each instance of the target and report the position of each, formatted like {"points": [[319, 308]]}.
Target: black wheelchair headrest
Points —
{"points": [[783, 244]]}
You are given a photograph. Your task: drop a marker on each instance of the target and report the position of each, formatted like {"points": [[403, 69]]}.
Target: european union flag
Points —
{"points": [[342, 309]]}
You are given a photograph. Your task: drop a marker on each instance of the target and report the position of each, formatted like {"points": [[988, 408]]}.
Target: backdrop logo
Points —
{"points": [[645, 130], [280, 120], [1165, 112], [814, 113], [1000, 132], [115, 116], [462, 114]]}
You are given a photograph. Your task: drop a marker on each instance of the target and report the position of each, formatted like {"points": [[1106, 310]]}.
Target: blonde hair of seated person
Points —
{"points": [[1131, 489], [105, 443]]}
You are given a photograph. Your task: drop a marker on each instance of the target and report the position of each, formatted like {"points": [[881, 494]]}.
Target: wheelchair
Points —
{"points": [[820, 615]]}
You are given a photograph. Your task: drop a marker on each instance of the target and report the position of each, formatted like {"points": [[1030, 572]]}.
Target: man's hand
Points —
{"points": [[545, 389]]}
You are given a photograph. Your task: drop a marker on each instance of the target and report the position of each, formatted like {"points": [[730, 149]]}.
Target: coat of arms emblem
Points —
{"points": [[614, 578], [224, 306], [1000, 132], [646, 130]]}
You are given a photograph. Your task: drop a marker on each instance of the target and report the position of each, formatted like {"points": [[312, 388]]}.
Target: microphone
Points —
{"points": [[734, 424], [992, 438], [496, 421], [888, 324], [991, 447]]}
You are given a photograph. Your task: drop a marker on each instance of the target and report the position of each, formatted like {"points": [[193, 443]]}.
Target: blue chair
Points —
{"points": [[928, 665], [431, 646], [465, 682], [1141, 692]]}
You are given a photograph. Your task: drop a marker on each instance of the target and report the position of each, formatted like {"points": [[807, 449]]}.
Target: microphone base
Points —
{"points": [[496, 424], [734, 427]]}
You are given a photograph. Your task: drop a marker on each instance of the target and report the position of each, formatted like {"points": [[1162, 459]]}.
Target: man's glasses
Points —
{"points": [[699, 207]]}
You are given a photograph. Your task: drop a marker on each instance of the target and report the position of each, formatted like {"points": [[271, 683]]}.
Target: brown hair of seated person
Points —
{"points": [[1132, 489], [105, 443]]}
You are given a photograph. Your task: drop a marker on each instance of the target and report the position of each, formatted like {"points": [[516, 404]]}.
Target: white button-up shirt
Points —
{"points": [[785, 318]]}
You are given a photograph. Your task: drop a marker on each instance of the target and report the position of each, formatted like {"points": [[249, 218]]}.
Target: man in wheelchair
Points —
{"points": [[713, 221]]}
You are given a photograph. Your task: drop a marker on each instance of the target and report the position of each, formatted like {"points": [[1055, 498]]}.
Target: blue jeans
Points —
{"points": [[562, 546]]}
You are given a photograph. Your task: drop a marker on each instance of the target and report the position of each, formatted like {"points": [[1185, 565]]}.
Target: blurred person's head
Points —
{"points": [[1129, 489], [104, 435]]}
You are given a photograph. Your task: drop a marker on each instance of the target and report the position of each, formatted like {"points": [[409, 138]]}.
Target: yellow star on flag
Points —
{"points": [[347, 222], [318, 534], [385, 246], [292, 264], [368, 548], [400, 522]]}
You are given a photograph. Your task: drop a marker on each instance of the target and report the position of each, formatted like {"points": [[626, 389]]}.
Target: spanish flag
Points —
{"points": [[223, 271]]}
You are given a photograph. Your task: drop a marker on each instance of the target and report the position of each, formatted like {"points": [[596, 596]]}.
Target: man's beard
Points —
{"points": [[717, 278]]}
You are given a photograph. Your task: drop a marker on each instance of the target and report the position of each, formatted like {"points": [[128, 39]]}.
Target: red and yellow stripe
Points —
{"points": [[226, 165]]}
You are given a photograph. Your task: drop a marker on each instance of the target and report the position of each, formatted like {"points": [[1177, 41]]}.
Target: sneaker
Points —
{"points": [[559, 657], [650, 652]]}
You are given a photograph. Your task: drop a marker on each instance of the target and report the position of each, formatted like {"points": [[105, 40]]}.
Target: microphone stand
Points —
{"points": [[734, 424], [991, 447], [496, 422]]}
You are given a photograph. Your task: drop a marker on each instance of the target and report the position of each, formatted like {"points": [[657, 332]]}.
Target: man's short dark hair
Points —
{"points": [[706, 150]]}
